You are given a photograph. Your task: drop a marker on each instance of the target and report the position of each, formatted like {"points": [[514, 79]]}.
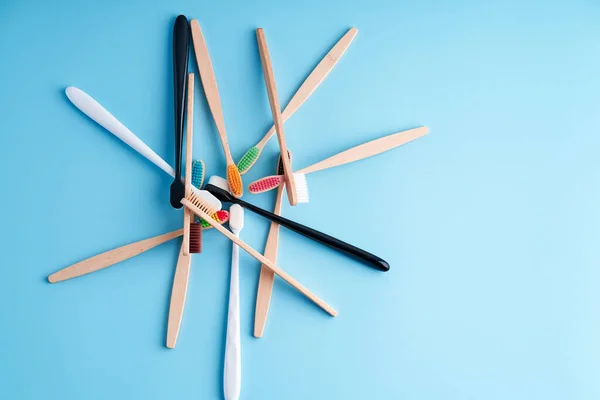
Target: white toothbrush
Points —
{"points": [[90, 107], [232, 375]]}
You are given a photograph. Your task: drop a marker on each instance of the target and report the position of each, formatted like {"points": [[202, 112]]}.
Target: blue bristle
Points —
{"points": [[198, 173]]}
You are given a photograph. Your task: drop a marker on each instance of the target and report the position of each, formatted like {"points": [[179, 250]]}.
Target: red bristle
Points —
{"points": [[223, 216], [195, 237]]}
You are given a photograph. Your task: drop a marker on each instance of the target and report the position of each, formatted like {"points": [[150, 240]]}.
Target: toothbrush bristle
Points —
{"points": [[201, 203], [265, 184], [198, 173], [280, 163], [234, 179], [195, 237], [220, 216], [301, 188], [248, 160]]}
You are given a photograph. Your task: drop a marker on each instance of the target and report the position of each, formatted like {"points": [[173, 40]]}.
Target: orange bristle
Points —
{"points": [[234, 179], [195, 237]]}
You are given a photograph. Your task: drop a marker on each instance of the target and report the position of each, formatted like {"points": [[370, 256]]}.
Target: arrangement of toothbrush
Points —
{"points": [[203, 204]]}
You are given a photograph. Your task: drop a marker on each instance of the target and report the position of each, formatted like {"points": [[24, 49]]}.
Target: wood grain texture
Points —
{"points": [[284, 275], [269, 76], [267, 277], [313, 80], [111, 257], [209, 83], [368, 149], [178, 294]]}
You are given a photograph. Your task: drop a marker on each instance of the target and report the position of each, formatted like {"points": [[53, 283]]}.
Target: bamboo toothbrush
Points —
{"points": [[204, 209], [209, 83], [115, 256], [291, 185], [302, 94], [266, 279], [232, 375], [359, 152], [217, 186], [192, 234], [181, 51], [90, 107]]}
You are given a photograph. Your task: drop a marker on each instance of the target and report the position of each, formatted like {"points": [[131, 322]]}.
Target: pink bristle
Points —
{"points": [[265, 184]]}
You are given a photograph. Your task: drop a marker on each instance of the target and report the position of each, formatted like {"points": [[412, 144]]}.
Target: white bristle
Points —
{"points": [[236, 217], [301, 188], [219, 182], [208, 198]]}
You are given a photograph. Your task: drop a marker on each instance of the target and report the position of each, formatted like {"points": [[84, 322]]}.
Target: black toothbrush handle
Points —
{"points": [[181, 51], [320, 237]]}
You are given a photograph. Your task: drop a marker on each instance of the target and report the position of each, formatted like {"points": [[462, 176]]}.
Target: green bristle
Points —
{"points": [[204, 223], [248, 160], [198, 173]]}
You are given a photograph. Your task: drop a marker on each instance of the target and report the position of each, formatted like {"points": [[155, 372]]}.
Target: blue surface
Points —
{"points": [[491, 223]]}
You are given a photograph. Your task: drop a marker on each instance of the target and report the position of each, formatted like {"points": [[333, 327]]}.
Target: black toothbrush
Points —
{"points": [[181, 51], [355, 252]]}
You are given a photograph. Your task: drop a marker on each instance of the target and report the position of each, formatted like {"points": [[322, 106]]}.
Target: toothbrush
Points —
{"points": [[111, 257], [192, 235], [203, 208], [302, 94], [115, 256], [217, 186], [359, 152], [291, 185], [232, 376], [181, 50], [209, 83], [94, 110], [266, 279]]}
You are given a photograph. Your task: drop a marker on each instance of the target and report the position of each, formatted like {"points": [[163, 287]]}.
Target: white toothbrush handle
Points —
{"points": [[95, 111], [232, 377]]}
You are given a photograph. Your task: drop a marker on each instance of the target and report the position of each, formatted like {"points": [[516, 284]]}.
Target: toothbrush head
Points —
{"points": [[234, 179], [301, 187], [177, 193], [280, 163], [198, 170], [207, 203], [248, 160], [236, 218], [221, 217], [219, 188], [265, 184], [195, 237], [207, 197]]}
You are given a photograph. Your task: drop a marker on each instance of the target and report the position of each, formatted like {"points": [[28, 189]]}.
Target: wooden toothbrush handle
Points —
{"points": [[178, 293], [276, 111], [111, 257], [314, 79], [284, 275], [368, 149], [267, 277], [209, 83]]}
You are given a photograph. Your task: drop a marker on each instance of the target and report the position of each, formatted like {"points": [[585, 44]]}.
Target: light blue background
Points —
{"points": [[491, 223]]}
